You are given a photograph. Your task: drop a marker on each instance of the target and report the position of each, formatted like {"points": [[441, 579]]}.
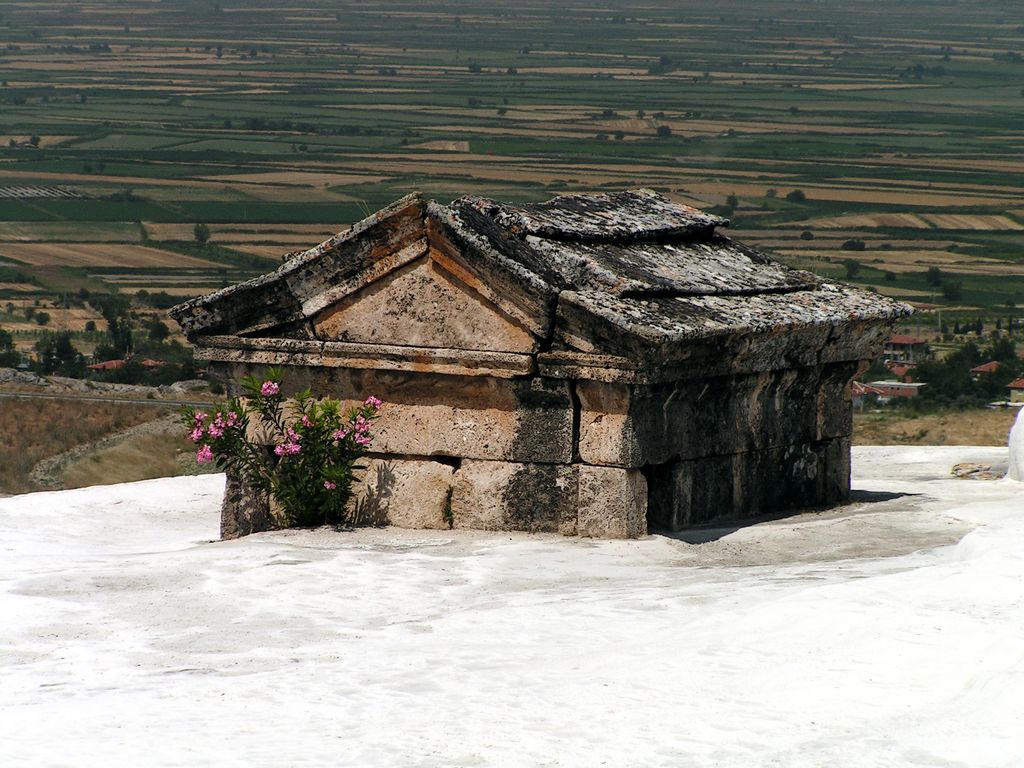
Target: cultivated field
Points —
{"points": [[897, 125]]}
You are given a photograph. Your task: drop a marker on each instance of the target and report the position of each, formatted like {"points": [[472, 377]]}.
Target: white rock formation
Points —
{"points": [[1016, 471]]}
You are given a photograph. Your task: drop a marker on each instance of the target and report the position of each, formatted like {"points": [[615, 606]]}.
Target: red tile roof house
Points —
{"points": [[861, 392], [905, 349], [1016, 388], [891, 389], [985, 369], [592, 365], [902, 371], [107, 365]]}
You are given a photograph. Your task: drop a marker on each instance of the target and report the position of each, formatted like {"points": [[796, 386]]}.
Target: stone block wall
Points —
{"points": [[586, 458]]}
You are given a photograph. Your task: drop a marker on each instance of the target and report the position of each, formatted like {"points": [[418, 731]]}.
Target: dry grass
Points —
{"points": [[165, 453], [32, 430], [989, 426]]}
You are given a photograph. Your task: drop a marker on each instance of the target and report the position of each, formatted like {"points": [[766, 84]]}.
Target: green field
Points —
{"points": [[241, 113]]}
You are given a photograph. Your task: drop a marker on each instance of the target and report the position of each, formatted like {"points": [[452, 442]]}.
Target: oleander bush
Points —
{"points": [[300, 451]]}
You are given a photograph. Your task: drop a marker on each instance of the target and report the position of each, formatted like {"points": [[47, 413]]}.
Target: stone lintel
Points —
{"points": [[337, 354]]}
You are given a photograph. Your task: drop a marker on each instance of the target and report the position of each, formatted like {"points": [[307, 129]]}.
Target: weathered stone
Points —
{"points": [[426, 415], [558, 350], [506, 496], [635, 425], [244, 510], [421, 306], [407, 493], [733, 487], [612, 503], [384, 357]]}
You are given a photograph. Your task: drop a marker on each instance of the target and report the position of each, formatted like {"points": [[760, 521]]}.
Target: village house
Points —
{"points": [[1016, 390], [594, 365], [887, 390], [985, 369], [906, 349]]}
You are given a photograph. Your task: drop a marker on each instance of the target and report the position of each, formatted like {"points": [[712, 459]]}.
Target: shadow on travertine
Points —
{"points": [[876, 524]]}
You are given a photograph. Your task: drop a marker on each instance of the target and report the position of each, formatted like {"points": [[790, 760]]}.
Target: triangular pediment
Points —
{"points": [[422, 304]]}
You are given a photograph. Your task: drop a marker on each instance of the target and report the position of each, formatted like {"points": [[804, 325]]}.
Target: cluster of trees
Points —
{"points": [[9, 356], [128, 336], [951, 384]]}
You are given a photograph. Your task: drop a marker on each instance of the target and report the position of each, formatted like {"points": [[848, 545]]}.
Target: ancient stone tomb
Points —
{"points": [[596, 365]]}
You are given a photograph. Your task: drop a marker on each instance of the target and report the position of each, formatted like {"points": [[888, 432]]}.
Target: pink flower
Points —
{"points": [[198, 416], [269, 388], [373, 402], [306, 422], [329, 485], [363, 440], [204, 455], [196, 434], [361, 425], [232, 418], [287, 449], [217, 427], [339, 434]]}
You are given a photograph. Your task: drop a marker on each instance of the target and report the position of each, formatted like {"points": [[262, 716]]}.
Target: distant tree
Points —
{"points": [[772, 192], [158, 330], [664, 131], [9, 356], [853, 245], [34, 140], [42, 318], [794, 111], [953, 290], [852, 268], [933, 276], [90, 326], [796, 196], [620, 135], [890, 277], [732, 201], [807, 235], [201, 232], [56, 354]]}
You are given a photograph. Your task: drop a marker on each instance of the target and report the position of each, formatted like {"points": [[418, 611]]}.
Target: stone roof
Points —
{"points": [[631, 276]]}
